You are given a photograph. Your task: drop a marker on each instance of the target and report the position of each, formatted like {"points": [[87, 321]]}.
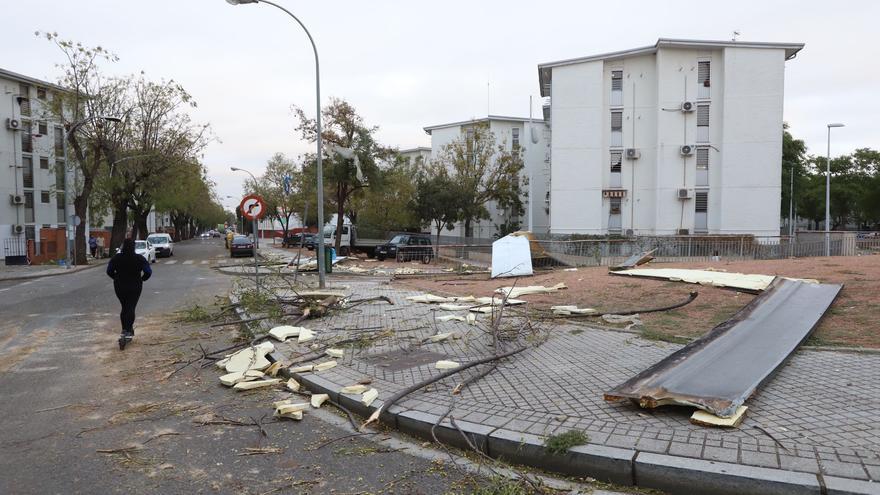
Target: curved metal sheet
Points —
{"points": [[720, 370]]}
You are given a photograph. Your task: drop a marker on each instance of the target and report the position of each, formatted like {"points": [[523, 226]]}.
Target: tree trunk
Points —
{"points": [[468, 228], [340, 216], [120, 226], [80, 204], [140, 223]]}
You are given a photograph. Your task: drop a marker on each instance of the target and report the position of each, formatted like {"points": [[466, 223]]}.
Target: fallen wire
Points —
{"points": [[334, 440], [693, 295], [764, 431]]}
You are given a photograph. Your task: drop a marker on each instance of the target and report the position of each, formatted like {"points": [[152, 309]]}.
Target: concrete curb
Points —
{"points": [[627, 467], [71, 271]]}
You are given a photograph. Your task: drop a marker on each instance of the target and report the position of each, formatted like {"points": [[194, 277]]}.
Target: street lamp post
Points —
{"points": [[828, 193], [256, 234], [71, 239], [320, 171]]}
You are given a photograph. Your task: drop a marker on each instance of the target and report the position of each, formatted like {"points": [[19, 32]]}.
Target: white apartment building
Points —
{"points": [[32, 169], [413, 156], [532, 136], [681, 137]]}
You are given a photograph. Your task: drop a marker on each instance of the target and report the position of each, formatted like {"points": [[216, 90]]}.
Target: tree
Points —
{"points": [[342, 126], [484, 172], [281, 188], [438, 200], [794, 161], [387, 204]]}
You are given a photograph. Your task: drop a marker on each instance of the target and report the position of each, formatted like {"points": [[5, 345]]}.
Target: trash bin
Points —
{"points": [[328, 260], [333, 250]]}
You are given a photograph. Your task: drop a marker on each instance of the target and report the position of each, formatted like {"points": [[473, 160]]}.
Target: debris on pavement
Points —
{"points": [[635, 260], [702, 418], [305, 335], [250, 358], [472, 318], [326, 365], [454, 307], [446, 365], [293, 385], [284, 332], [354, 389], [256, 384], [445, 318], [369, 396], [231, 379], [302, 369], [709, 373], [747, 282], [440, 337], [335, 353], [318, 399], [273, 369], [511, 257], [631, 320], [515, 292], [294, 415], [572, 310]]}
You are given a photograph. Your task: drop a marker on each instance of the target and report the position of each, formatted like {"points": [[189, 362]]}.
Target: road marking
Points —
{"points": [[170, 262], [188, 262], [1, 290]]}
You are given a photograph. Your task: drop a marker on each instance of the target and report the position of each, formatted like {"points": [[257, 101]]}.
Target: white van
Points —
{"points": [[162, 243]]}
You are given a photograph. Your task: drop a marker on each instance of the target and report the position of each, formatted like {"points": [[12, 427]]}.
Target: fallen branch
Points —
{"points": [[412, 388]]}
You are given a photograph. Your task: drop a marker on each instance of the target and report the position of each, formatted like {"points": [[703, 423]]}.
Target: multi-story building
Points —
{"points": [[681, 137], [532, 137], [32, 168], [414, 156]]}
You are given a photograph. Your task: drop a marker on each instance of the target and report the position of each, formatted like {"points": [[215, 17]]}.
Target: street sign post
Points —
{"points": [[253, 208]]}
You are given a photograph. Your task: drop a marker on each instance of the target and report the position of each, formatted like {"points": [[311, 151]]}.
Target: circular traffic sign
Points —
{"points": [[252, 207]]}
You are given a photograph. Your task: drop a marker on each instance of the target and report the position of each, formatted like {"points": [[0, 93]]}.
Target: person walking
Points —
{"points": [[129, 271], [101, 246], [93, 246]]}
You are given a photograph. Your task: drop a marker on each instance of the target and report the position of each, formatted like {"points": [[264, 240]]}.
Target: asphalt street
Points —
{"points": [[71, 400]]}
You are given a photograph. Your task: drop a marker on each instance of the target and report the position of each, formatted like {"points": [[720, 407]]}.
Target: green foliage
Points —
{"points": [[387, 204], [281, 205], [195, 313], [559, 444], [499, 485], [438, 199]]}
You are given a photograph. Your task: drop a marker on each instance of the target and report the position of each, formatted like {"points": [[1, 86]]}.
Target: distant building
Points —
{"points": [[532, 137], [415, 156], [681, 137], [32, 167]]}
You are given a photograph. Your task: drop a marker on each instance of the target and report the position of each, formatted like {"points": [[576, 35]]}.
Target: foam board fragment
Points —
{"points": [[318, 399], [326, 365], [354, 389], [256, 384], [284, 332], [369, 396], [446, 365]]}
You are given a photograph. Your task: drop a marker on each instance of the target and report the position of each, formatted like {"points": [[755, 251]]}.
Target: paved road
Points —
{"points": [[68, 393]]}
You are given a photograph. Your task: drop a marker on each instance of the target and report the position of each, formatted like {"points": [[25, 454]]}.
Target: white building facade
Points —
{"points": [[416, 156], [32, 167], [532, 136], [682, 137]]}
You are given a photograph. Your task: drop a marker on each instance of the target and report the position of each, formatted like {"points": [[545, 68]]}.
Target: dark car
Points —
{"points": [[241, 246], [295, 240], [406, 247]]}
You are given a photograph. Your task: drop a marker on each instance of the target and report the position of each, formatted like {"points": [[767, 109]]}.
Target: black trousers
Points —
{"points": [[128, 295]]}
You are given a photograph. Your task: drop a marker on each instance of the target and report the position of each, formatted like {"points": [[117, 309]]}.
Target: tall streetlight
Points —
{"points": [[320, 171], [256, 235], [828, 193], [71, 223]]}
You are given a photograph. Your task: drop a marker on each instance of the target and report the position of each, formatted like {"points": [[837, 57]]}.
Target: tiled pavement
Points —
{"points": [[821, 406]]}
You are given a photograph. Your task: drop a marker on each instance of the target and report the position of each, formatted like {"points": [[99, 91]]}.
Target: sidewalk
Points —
{"points": [[38, 271], [811, 429]]}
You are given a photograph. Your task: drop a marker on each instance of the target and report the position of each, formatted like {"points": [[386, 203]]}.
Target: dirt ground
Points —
{"points": [[851, 321]]}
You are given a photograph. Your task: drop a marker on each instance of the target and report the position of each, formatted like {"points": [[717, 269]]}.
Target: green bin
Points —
{"points": [[328, 259]]}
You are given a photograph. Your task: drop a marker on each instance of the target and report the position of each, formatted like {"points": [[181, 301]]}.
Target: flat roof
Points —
{"points": [[8, 74], [411, 150], [481, 120]]}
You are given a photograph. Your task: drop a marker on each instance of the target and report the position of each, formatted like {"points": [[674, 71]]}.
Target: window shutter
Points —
{"points": [[616, 121], [703, 73], [703, 115], [703, 158], [616, 80], [615, 206], [701, 201]]}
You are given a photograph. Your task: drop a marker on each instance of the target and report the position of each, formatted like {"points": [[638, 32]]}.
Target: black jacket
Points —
{"points": [[129, 270]]}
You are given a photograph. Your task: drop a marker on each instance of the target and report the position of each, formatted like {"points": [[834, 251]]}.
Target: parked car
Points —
{"points": [[241, 246], [406, 247], [294, 240], [145, 249], [163, 244]]}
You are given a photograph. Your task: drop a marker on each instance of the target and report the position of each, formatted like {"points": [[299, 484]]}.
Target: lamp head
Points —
{"points": [[235, 169], [239, 2], [835, 125]]}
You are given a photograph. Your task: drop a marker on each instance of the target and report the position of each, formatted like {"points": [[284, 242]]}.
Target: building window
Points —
{"points": [[615, 206], [702, 166], [59, 175], [703, 123], [30, 232], [27, 172], [515, 137], [29, 207], [470, 137], [701, 210], [60, 207], [41, 93], [27, 138], [616, 161], [44, 197], [24, 102], [58, 133], [617, 128], [703, 79], [616, 88], [44, 163], [42, 128]]}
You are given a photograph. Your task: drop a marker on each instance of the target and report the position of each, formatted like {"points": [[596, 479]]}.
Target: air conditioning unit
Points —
{"points": [[13, 124], [683, 193], [686, 150], [688, 106], [683, 232], [633, 154], [629, 232], [18, 229], [17, 199]]}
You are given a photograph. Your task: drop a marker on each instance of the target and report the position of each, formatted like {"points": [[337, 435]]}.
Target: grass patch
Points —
{"points": [[649, 334], [502, 486], [559, 444]]}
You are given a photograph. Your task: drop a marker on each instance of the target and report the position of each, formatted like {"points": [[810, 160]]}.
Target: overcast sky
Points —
{"points": [[408, 64]]}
